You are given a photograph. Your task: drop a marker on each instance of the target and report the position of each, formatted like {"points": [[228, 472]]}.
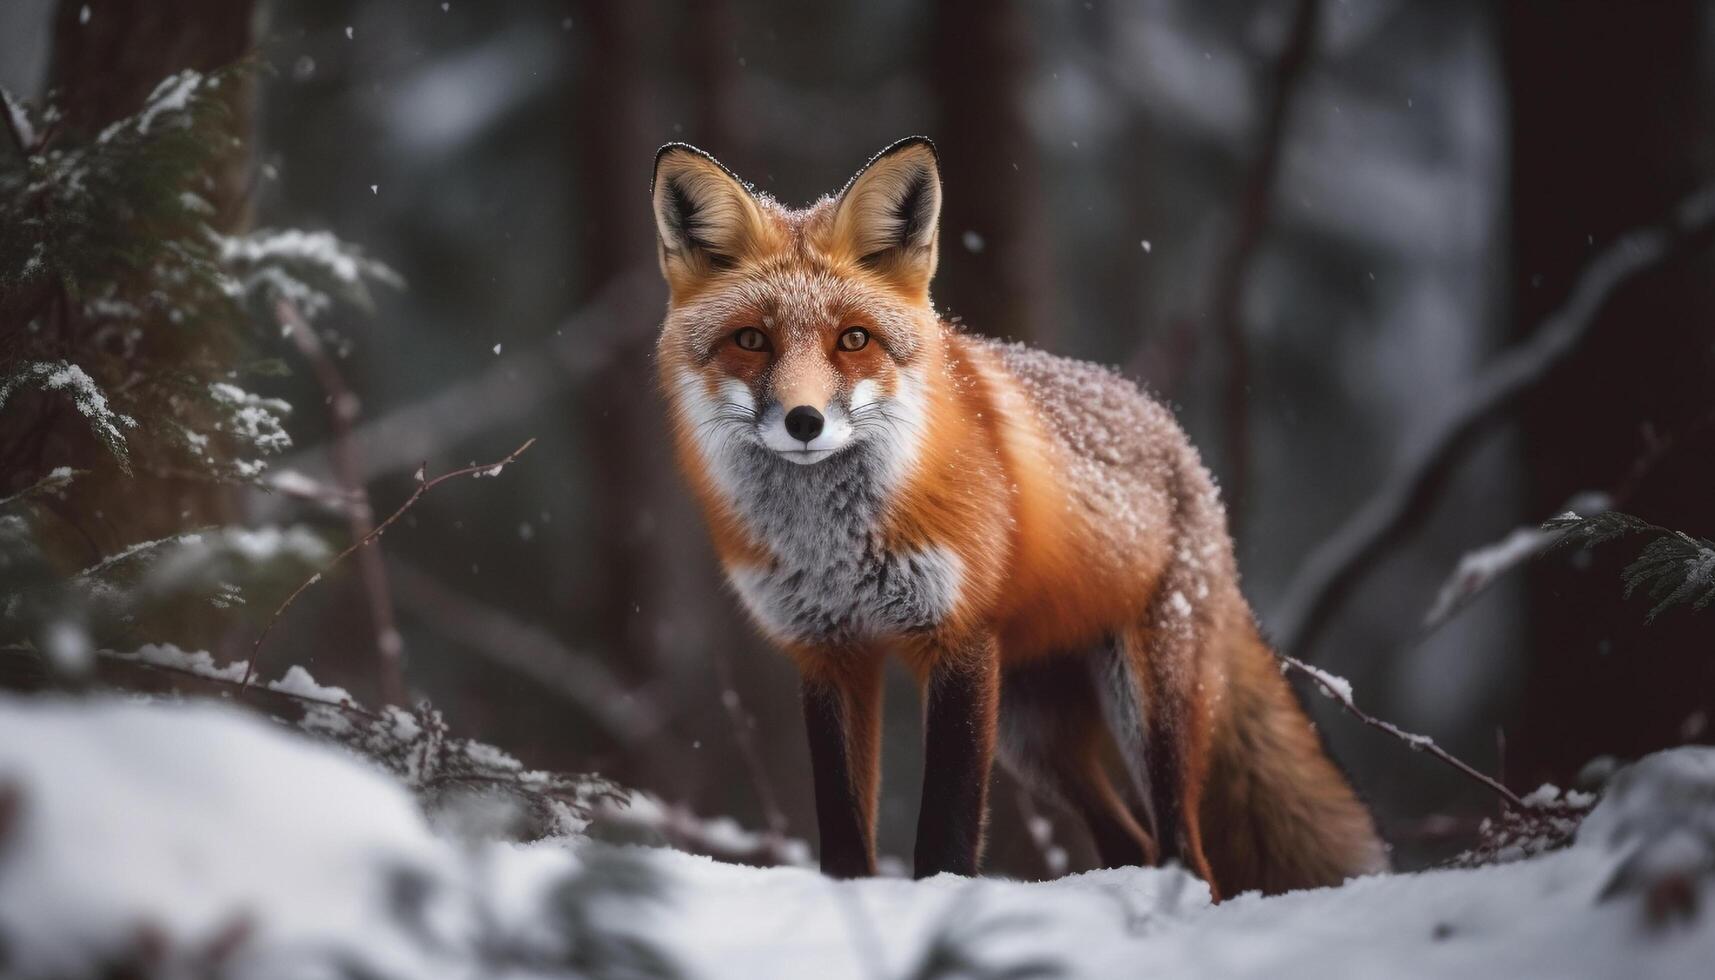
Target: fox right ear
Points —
{"points": [[705, 219]]}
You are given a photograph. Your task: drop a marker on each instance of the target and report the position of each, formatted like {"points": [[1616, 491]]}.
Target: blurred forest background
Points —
{"points": [[1322, 230]]}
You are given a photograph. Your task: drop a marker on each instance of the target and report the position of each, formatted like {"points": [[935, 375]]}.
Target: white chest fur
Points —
{"points": [[829, 578]]}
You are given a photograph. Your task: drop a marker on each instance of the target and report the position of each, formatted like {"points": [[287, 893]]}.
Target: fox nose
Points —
{"points": [[803, 423]]}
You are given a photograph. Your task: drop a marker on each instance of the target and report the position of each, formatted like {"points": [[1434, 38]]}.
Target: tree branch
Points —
{"points": [[423, 486], [1341, 692], [1227, 287], [1338, 564]]}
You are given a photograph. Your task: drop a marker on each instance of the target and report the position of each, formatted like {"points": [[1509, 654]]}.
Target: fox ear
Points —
{"points": [[888, 216], [705, 218]]}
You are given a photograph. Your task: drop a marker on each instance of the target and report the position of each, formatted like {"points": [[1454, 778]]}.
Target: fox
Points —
{"points": [[1033, 537]]}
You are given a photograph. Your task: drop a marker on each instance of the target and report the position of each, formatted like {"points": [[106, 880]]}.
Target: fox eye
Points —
{"points": [[854, 338], [750, 338]]}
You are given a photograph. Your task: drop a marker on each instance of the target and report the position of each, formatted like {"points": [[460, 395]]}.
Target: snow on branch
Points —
{"points": [[1340, 690], [1339, 563], [459, 780], [304, 268], [54, 482], [1480, 568], [721, 838], [63, 376]]}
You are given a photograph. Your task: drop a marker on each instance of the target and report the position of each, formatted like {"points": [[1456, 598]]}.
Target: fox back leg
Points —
{"points": [[1153, 709], [1052, 738]]}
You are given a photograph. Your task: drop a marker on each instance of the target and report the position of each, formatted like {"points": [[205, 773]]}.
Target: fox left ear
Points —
{"points": [[888, 216], [705, 218]]}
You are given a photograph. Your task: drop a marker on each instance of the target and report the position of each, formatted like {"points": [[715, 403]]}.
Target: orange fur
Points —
{"points": [[1066, 508]]}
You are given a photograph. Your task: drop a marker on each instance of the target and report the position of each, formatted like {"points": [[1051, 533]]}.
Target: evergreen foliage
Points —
{"points": [[122, 301], [1674, 568], [119, 294]]}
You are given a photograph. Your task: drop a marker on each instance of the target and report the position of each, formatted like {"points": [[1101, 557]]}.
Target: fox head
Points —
{"points": [[798, 336]]}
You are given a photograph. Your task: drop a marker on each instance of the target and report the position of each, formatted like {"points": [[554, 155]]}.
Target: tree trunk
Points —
{"points": [[994, 262]]}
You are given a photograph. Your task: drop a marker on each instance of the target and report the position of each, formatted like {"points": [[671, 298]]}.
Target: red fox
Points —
{"points": [[1033, 536]]}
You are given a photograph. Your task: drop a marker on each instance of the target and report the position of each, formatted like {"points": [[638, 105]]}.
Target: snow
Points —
{"points": [[20, 118], [253, 418], [171, 97], [1333, 685], [198, 662], [200, 825], [320, 249]]}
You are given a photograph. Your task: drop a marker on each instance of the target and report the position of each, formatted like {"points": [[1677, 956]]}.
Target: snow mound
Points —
{"points": [[183, 837], [180, 836]]}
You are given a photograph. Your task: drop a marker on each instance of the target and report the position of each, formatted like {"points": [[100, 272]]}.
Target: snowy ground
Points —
{"points": [[194, 841]]}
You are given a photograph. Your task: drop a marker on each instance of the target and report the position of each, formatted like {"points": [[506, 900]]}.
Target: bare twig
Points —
{"points": [[1227, 288], [423, 486], [1341, 692], [343, 406], [1339, 563]]}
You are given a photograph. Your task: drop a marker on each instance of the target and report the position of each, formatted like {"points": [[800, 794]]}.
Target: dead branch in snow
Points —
{"points": [[423, 486], [1336, 566]]}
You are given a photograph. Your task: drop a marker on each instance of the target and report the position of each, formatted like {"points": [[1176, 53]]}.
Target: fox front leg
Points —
{"points": [[962, 703], [842, 716]]}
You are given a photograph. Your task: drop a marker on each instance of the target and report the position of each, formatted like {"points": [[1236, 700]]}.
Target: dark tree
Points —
{"points": [[1608, 131], [994, 265], [101, 69]]}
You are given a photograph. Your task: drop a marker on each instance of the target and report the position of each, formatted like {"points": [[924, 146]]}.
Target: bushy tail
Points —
{"points": [[1277, 814]]}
